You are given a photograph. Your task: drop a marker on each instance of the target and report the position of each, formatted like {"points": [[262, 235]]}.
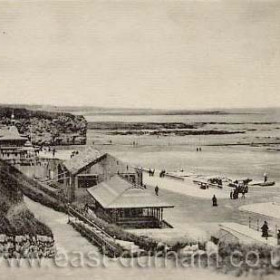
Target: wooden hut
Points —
{"points": [[90, 167], [120, 202]]}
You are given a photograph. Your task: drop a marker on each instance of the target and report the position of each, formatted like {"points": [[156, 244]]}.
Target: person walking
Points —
{"points": [[214, 201], [265, 177], [264, 229], [156, 190], [231, 194]]}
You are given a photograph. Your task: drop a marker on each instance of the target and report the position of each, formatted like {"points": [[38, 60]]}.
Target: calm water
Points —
{"points": [[236, 116]]}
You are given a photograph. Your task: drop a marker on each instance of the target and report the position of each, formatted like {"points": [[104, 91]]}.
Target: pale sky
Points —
{"points": [[149, 54]]}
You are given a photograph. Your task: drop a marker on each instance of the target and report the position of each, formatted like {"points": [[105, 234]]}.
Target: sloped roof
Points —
{"points": [[83, 159], [11, 134], [119, 193]]}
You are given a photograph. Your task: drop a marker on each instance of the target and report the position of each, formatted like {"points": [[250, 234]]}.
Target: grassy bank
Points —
{"points": [[16, 219]]}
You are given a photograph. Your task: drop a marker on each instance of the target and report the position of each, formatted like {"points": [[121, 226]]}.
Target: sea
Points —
{"points": [[246, 155]]}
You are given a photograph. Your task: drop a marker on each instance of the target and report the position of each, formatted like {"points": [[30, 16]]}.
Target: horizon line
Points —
{"points": [[139, 108]]}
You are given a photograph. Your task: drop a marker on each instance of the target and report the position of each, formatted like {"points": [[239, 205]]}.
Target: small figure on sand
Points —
{"points": [[278, 237], [265, 177], [264, 229], [214, 201], [243, 194], [156, 190], [231, 194], [235, 194]]}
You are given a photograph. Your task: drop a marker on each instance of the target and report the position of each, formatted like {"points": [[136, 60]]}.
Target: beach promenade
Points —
{"points": [[194, 217], [247, 235]]}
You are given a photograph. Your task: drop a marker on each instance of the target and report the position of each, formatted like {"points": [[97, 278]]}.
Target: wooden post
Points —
{"points": [[72, 187]]}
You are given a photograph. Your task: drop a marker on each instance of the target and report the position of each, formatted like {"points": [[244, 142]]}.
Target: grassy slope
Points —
{"points": [[15, 218]]}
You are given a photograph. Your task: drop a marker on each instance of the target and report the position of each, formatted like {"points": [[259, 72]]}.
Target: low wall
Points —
{"points": [[26, 246]]}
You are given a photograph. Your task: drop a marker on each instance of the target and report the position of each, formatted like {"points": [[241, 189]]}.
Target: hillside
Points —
{"points": [[46, 127], [15, 218]]}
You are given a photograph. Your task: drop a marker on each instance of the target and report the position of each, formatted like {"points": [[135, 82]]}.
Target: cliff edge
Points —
{"points": [[46, 128]]}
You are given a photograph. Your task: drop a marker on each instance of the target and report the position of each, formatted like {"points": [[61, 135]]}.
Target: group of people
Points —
{"points": [[134, 144], [234, 194], [198, 149], [265, 232], [74, 153], [151, 172], [26, 246]]}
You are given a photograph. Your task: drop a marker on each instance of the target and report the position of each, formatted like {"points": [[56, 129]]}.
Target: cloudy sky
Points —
{"points": [[149, 54]]}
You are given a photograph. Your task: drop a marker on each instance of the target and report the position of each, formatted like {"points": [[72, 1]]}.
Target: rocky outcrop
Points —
{"points": [[47, 128]]}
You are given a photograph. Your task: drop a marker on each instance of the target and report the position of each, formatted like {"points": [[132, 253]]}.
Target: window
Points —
{"points": [[87, 181]]}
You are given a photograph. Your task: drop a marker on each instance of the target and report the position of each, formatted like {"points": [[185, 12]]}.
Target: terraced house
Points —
{"points": [[14, 147]]}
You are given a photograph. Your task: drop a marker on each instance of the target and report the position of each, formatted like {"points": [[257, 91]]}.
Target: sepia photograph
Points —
{"points": [[140, 139]]}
